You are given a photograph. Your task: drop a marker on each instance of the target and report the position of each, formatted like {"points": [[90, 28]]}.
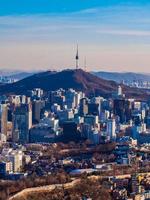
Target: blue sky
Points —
{"points": [[114, 35], [9, 7]]}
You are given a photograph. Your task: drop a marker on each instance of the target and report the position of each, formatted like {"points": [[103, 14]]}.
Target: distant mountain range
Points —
{"points": [[76, 79], [119, 77], [8, 72], [16, 74], [114, 76], [21, 75]]}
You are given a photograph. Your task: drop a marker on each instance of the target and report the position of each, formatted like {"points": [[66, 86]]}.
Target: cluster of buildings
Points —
{"points": [[12, 161], [138, 84], [41, 117], [6, 79], [135, 184], [69, 114]]}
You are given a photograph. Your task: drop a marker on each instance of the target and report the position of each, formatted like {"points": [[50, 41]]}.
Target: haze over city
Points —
{"points": [[113, 35], [74, 100]]}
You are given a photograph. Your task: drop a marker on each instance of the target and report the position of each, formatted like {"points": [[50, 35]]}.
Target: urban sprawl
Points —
{"points": [[62, 136]]}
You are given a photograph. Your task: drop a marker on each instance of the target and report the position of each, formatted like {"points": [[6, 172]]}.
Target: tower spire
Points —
{"points": [[77, 58], [85, 64]]}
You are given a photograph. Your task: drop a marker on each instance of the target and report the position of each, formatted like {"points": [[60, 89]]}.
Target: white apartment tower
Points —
{"points": [[111, 128]]}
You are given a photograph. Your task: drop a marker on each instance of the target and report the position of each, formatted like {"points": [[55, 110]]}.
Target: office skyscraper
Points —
{"points": [[37, 107], [3, 118], [22, 122]]}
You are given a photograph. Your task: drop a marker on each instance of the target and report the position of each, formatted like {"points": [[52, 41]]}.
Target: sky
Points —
{"points": [[113, 35]]}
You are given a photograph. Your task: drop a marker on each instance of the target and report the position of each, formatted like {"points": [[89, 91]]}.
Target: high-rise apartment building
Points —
{"points": [[3, 119], [111, 128]]}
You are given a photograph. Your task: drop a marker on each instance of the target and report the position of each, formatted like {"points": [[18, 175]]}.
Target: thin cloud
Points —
{"points": [[87, 11], [125, 32]]}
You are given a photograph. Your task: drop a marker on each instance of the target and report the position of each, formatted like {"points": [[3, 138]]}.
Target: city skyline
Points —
{"points": [[112, 35]]}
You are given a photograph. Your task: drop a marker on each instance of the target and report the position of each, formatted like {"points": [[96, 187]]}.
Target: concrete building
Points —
{"points": [[22, 122], [111, 128], [37, 107], [3, 119], [16, 158], [41, 133]]}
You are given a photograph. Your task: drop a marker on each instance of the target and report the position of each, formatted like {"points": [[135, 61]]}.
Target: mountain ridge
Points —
{"points": [[120, 76], [76, 79]]}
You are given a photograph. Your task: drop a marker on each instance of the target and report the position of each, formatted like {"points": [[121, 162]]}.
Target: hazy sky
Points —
{"points": [[113, 35]]}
